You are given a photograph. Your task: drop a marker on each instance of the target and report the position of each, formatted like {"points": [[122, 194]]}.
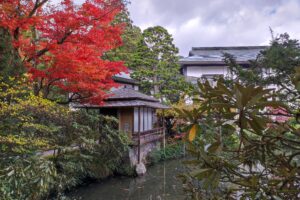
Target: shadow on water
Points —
{"points": [[160, 183]]}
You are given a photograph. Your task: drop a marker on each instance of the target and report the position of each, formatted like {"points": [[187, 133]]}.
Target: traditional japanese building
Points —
{"points": [[207, 62], [136, 113]]}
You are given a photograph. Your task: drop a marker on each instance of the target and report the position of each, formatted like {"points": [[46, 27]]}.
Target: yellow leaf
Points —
{"points": [[233, 110], [192, 133]]}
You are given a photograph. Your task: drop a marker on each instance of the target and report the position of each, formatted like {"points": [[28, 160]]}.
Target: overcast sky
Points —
{"points": [[218, 22]]}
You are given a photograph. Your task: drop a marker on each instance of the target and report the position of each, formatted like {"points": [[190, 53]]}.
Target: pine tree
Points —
{"points": [[131, 37], [157, 65]]}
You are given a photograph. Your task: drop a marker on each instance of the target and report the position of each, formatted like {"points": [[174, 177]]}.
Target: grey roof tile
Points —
{"points": [[126, 97], [125, 78], [133, 103], [215, 54], [127, 93]]}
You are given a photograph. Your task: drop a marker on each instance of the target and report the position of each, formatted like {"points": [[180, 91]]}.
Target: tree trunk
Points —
{"points": [[156, 86], [155, 82], [36, 88], [46, 92]]}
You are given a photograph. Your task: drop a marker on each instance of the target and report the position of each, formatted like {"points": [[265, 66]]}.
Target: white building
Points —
{"points": [[207, 62]]}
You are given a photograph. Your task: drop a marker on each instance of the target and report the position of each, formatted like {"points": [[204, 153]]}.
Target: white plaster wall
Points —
{"points": [[199, 71], [195, 71]]}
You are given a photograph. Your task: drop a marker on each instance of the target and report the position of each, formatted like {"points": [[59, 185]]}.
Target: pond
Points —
{"points": [[160, 183]]}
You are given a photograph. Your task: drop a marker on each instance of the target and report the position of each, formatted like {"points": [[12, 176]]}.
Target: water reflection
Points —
{"points": [[160, 183]]}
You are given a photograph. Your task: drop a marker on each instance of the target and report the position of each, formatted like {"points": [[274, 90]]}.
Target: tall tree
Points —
{"points": [[131, 37], [62, 46], [157, 65]]}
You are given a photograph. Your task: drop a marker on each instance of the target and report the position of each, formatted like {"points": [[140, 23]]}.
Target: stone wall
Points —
{"points": [[145, 150]]}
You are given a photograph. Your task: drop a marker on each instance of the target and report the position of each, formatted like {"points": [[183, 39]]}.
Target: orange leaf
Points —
{"points": [[192, 133]]}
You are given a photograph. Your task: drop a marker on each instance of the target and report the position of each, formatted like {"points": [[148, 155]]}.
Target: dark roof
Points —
{"points": [[129, 94], [124, 77], [214, 55], [125, 80], [129, 103], [126, 97]]}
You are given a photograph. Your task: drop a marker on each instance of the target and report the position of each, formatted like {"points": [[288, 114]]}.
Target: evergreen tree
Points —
{"points": [[157, 65], [131, 36]]}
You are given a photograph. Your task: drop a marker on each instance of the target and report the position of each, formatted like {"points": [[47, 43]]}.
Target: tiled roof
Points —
{"points": [[133, 103], [211, 55], [126, 97], [125, 78], [127, 93]]}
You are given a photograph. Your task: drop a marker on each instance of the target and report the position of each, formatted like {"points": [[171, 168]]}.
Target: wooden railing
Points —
{"points": [[148, 136]]}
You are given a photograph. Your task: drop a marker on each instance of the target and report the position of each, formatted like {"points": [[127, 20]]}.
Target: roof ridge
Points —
{"points": [[228, 48], [128, 93]]}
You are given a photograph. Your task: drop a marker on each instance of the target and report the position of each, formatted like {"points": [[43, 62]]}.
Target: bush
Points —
{"points": [[171, 151], [244, 153], [30, 178], [47, 148]]}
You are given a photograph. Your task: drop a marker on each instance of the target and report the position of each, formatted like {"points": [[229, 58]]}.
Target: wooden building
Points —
{"points": [[136, 113]]}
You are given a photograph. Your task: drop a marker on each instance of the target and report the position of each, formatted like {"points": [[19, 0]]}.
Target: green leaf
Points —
{"points": [[11, 173], [224, 89], [201, 173], [215, 147], [191, 162], [255, 126]]}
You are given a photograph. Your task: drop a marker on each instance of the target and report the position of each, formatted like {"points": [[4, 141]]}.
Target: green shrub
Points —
{"points": [[30, 178], [248, 155], [125, 169], [171, 151], [79, 144]]}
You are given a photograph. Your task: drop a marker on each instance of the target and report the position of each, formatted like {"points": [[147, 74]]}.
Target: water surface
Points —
{"points": [[160, 183]]}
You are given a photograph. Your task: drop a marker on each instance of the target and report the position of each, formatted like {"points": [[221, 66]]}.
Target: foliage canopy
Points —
{"points": [[64, 55]]}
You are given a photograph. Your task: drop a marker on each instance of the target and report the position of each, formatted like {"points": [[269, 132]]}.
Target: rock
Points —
{"points": [[140, 169]]}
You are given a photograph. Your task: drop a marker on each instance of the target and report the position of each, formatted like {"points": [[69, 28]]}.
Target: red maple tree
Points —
{"points": [[62, 45]]}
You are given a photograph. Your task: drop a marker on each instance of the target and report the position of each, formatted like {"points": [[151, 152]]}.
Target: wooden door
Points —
{"points": [[126, 120]]}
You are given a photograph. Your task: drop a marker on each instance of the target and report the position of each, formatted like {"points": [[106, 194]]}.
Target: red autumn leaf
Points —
{"points": [[63, 45]]}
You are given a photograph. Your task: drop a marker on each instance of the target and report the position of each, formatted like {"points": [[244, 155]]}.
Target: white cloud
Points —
{"points": [[218, 22]]}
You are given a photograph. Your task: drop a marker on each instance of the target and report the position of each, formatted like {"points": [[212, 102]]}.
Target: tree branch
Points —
{"points": [[37, 5]]}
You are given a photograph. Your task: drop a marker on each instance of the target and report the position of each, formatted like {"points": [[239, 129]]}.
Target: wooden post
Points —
{"points": [[139, 134]]}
